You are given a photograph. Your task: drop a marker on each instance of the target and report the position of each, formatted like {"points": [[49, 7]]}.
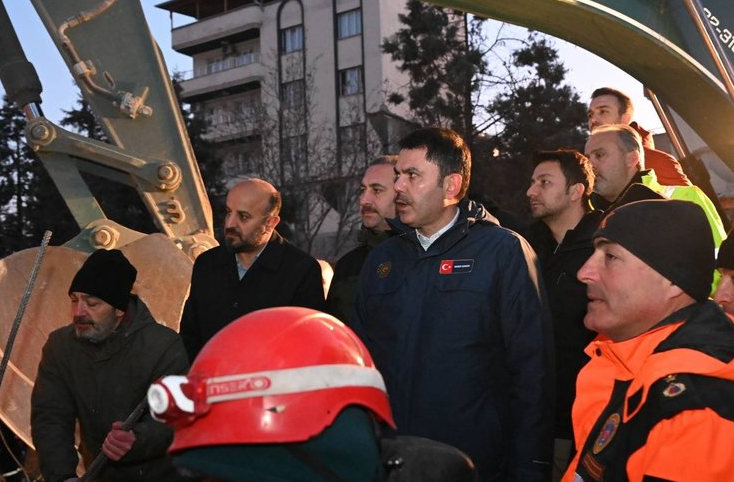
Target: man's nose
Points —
{"points": [[587, 272], [398, 185], [78, 309], [531, 191], [228, 221]]}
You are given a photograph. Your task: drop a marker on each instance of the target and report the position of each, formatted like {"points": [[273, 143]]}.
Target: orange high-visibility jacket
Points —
{"points": [[660, 406]]}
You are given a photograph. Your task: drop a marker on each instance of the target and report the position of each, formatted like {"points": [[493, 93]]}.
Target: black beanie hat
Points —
{"points": [[726, 253], [672, 237], [108, 275]]}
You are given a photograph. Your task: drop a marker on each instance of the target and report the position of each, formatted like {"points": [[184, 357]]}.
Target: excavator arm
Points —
{"points": [[120, 71]]}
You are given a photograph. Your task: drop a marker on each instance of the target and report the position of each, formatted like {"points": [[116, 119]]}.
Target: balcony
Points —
{"points": [[208, 33], [221, 75], [225, 131]]}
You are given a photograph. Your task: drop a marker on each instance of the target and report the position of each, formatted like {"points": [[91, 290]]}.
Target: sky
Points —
{"points": [[586, 71]]}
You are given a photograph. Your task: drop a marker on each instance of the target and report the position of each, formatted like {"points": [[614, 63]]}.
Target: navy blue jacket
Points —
{"points": [[462, 335]]}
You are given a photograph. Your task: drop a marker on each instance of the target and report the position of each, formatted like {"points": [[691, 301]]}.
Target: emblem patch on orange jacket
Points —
{"points": [[608, 430]]}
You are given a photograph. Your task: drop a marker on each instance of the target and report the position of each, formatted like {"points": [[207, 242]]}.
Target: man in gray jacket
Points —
{"points": [[96, 370]]}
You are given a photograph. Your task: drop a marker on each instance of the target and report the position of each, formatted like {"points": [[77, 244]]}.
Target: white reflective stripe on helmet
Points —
{"points": [[291, 380]]}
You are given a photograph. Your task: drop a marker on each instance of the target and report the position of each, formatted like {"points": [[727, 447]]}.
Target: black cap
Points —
{"points": [[673, 237], [108, 275]]}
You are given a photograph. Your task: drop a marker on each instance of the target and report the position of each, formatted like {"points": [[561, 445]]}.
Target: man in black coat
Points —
{"points": [[376, 206], [255, 269], [95, 371], [559, 192]]}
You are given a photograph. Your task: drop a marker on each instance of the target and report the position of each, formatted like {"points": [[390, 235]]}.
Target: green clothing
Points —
{"points": [[689, 193], [696, 195], [97, 384]]}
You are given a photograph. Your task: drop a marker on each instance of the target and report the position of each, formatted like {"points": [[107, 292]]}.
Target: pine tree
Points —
{"points": [[536, 112], [440, 49], [26, 191]]}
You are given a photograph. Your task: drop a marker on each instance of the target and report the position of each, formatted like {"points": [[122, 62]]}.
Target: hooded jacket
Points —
{"points": [[657, 407], [567, 299], [462, 337], [98, 384]]}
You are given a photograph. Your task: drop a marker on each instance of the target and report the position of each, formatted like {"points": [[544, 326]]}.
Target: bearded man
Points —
{"points": [[257, 268], [95, 371]]}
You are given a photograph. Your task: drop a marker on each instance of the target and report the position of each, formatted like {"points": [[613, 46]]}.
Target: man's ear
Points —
{"points": [[272, 222], [576, 191], [452, 185], [632, 159]]}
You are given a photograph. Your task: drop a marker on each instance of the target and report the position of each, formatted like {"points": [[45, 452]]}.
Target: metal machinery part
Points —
{"points": [[120, 71]]}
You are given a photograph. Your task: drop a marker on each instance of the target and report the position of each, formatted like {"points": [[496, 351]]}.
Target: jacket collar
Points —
{"points": [[368, 237], [470, 213]]}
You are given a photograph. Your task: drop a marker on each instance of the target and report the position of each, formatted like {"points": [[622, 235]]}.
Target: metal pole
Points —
{"points": [[695, 10], [23, 304], [676, 139]]}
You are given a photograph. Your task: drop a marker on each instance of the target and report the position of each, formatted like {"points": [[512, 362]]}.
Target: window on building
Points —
{"points": [[219, 115], [294, 153], [351, 81], [292, 94], [215, 65], [246, 57], [292, 39], [349, 23], [352, 139]]}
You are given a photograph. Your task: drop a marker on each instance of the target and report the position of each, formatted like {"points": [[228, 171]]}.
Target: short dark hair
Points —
{"points": [[625, 103], [576, 167], [446, 149]]}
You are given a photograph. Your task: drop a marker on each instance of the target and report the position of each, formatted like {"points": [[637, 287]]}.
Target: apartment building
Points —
{"points": [[294, 91]]}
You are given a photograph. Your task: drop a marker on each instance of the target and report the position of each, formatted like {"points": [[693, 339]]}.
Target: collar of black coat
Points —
{"points": [[634, 191], [271, 258], [706, 328], [580, 237]]}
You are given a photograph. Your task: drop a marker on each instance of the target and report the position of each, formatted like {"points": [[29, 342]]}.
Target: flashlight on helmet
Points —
{"points": [[177, 400]]}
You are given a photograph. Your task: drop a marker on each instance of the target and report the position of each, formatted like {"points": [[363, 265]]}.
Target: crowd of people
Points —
{"points": [[447, 347]]}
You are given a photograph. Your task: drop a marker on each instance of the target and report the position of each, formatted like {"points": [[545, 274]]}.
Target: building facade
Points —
{"points": [[295, 91]]}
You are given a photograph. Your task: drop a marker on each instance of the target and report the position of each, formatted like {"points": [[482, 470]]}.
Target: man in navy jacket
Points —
{"points": [[453, 312]]}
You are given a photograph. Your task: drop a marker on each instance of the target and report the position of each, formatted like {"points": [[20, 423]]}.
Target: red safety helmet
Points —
{"points": [[272, 376]]}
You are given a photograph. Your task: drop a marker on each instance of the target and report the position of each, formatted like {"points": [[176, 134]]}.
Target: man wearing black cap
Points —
{"points": [[654, 402], [96, 371]]}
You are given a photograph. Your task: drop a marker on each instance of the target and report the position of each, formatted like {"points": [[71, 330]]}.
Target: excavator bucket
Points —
{"points": [[163, 278], [118, 66]]}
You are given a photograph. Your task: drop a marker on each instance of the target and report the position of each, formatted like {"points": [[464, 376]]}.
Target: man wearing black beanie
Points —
{"points": [[95, 371], [654, 402]]}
